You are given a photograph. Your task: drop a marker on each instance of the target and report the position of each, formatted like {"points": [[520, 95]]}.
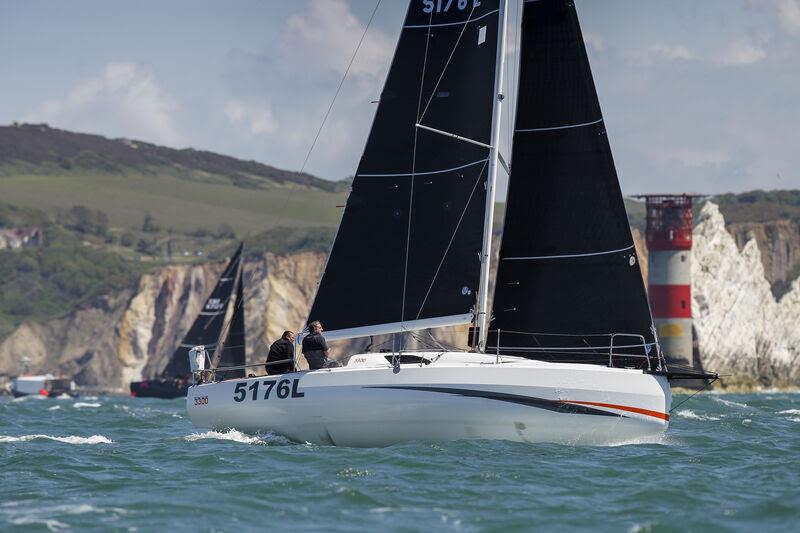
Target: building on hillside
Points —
{"points": [[15, 238]]}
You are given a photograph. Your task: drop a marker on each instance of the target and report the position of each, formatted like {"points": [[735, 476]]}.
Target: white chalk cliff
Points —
{"points": [[742, 331]]}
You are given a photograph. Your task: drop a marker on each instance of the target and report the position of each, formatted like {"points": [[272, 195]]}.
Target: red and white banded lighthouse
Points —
{"points": [[669, 242]]}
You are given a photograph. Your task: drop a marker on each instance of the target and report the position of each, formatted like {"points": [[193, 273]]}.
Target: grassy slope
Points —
{"points": [[176, 203]]}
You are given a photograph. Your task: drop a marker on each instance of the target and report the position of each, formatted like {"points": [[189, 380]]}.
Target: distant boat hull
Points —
{"points": [[159, 388], [368, 403], [44, 385]]}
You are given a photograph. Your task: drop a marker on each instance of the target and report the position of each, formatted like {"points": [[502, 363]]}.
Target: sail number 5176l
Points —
{"points": [[443, 6], [285, 388]]}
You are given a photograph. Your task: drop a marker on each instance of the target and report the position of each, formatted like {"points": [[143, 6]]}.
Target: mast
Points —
{"points": [[488, 221]]}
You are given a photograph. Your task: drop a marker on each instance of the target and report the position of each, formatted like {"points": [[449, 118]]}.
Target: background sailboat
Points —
{"points": [[226, 344]]}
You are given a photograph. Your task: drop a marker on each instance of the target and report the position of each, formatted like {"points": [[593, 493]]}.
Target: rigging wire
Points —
{"points": [[413, 171], [419, 118], [341, 83], [695, 394], [447, 64], [452, 238]]}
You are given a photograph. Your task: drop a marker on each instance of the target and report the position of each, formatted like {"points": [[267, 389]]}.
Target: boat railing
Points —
{"points": [[613, 348], [204, 373]]}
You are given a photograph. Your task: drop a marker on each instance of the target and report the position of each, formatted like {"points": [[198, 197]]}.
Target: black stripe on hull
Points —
{"points": [[541, 403]]}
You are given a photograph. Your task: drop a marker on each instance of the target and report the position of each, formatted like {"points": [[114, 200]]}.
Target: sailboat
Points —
{"points": [[567, 352], [210, 329]]}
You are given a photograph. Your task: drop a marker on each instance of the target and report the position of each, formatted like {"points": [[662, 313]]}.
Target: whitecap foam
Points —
{"points": [[49, 523], [29, 398], [54, 408], [794, 419], [691, 415], [80, 405], [230, 435], [729, 403], [790, 412], [72, 439], [64, 396], [85, 508]]}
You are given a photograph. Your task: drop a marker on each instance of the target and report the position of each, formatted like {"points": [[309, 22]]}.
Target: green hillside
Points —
{"points": [[183, 190]]}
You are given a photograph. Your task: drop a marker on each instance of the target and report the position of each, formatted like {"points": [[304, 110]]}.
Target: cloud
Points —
{"points": [[789, 15], [256, 119], [660, 52], [326, 34], [302, 70], [124, 100], [743, 51], [596, 42]]}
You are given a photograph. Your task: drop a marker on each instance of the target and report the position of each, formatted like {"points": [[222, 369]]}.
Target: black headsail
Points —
{"points": [[567, 262], [406, 253], [207, 328]]}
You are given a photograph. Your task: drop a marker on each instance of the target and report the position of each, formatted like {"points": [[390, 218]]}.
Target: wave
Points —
{"points": [[230, 435], [79, 405], [29, 397], [85, 508], [49, 523], [794, 419], [790, 412], [54, 408], [691, 415], [729, 403], [72, 439]]}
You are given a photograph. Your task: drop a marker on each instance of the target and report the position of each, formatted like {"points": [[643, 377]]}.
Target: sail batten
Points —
{"points": [[407, 246]]}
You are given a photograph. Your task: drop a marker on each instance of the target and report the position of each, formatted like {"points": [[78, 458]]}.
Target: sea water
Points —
{"points": [[728, 462]]}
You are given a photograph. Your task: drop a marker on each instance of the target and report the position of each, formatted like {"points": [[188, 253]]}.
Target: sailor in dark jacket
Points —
{"points": [[281, 350], [315, 348]]}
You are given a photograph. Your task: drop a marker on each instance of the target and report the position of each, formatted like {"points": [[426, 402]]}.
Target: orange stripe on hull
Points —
{"points": [[648, 412]]}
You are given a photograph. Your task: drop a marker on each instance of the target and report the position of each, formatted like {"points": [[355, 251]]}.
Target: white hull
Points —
{"points": [[458, 396]]}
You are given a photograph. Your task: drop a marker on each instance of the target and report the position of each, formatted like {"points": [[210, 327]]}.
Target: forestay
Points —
{"points": [[207, 328], [567, 261], [408, 243]]}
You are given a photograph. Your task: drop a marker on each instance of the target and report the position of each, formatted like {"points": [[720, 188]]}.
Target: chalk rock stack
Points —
{"points": [[741, 329]]}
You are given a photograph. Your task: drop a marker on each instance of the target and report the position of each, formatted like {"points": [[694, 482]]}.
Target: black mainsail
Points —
{"points": [[207, 327], [567, 261], [408, 243]]}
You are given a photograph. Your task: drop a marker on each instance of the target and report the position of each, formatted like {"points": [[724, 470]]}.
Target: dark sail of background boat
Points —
{"points": [[233, 348], [409, 238], [567, 263], [207, 328]]}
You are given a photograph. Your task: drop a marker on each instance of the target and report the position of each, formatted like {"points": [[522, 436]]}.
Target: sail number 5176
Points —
{"points": [[285, 388], [443, 6]]}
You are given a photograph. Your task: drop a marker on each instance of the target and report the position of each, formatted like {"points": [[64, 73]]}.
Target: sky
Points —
{"points": [[697, 96]]}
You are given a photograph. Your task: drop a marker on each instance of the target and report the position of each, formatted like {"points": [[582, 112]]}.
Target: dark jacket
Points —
{"points": [[281, 349], [314, 347]]}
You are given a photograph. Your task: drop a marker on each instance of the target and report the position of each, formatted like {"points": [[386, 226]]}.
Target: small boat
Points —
{"points": [[220, 323], [567, 351], [46, 385], [42, 385]]}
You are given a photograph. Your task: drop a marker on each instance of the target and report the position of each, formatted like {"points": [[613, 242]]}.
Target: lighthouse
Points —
{"points": [[669, 243]]}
